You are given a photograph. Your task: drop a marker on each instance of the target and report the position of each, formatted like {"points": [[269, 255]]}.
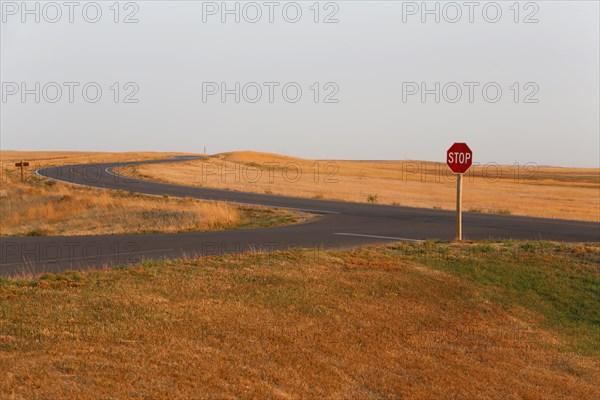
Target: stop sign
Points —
{"points": [[459, 158]]}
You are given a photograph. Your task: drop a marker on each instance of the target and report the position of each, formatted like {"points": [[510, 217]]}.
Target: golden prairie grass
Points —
{"points": [[374, 322], [43, 207], [39, 159], [73, 211], [569, 193]]}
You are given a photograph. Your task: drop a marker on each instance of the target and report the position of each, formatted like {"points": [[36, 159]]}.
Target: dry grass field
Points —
{"points": [[44, 207], [419, 321], [40, 159], [569, 193]]}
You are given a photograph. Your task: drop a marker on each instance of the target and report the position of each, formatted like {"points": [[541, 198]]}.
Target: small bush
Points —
{"points": [[475, 210], [372, 198], [38, 232]]}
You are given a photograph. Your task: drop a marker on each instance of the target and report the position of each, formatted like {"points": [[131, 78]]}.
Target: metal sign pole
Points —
{"points": [[459, 207], [459, 158]]}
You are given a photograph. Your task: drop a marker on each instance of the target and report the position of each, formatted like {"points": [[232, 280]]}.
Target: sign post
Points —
{"points": [[22, 164], [459, 158], [459, 207]]}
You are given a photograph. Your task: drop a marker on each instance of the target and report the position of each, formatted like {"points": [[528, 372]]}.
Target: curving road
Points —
{"points": [[341, 225]]}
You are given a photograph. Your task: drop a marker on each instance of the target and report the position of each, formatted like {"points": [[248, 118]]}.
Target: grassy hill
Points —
{"points": [[407, 320]]}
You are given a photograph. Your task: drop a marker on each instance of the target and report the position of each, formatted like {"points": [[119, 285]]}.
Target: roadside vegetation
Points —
{"points": [[406, 320], [569, 193], [41, 207]]}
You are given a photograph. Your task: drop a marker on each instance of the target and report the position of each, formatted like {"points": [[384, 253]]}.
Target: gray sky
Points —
{"points": [[376, 56]]}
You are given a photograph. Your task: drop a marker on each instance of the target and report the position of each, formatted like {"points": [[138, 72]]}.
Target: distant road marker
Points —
{"points": [[22, 164]]}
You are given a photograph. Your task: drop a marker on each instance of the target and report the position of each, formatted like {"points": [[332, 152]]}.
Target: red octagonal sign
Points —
{"points": [[459, 158]]}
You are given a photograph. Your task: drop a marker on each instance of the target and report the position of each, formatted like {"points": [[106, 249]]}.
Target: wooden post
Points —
{"points": [[22, 171], [459, 207]]}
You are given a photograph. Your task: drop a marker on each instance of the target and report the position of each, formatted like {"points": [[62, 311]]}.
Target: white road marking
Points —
{"points": [[110, 173], [380, 237], [118, 176], [302, 209]]}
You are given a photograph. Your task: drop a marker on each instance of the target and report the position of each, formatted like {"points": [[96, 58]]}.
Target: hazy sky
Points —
{"points": [[373, 63]]}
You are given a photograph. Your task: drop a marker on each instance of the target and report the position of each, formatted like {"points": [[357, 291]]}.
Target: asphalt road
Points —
{"points": [[341, 225]]}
